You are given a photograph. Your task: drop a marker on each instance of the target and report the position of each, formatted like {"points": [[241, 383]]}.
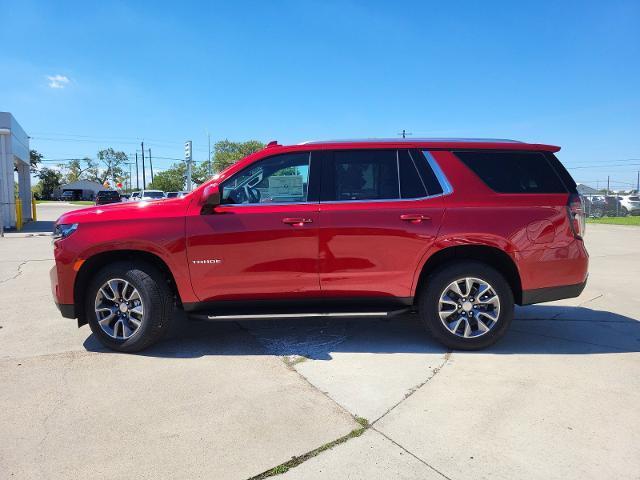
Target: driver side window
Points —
{"points": [[279, 179]]}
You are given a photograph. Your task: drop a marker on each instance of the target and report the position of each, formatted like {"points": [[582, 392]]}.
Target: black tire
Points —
{"points": [[438, 281], [156, 296]]}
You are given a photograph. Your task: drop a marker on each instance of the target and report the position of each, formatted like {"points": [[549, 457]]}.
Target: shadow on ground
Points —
{"points": [[539, 329], [40, 226]]}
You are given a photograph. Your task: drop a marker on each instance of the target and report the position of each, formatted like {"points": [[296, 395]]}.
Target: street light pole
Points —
{"points": [[187, 158]]}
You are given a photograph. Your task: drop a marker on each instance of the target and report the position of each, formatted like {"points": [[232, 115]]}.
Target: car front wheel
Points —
{"points": [[466, 305], [129, 306]]}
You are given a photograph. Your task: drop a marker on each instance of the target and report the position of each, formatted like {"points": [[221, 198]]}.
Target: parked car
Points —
{"points": [[176, 194], [124, 197], [148, 195], [631, 203], [71, 196], [458, 231], [105, 197], [607, 206]]}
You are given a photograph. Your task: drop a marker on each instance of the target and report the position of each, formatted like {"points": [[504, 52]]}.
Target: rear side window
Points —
{"points": [[514, 172], [108, 194], [366, 175], [411, 184]]}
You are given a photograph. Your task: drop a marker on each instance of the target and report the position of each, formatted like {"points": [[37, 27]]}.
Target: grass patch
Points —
{"points": [[295, 461], [75, 202], [628, 220], [291, 360]]}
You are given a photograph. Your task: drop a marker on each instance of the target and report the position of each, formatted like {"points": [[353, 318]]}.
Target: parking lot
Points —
{"points": [[558, 397]]}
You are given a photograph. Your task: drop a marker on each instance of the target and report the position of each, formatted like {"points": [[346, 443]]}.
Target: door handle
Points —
{"points": [[414, 217], [298, 222]]}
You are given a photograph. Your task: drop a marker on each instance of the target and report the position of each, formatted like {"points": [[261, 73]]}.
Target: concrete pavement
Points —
{"points": [[210, 403], [557, 398]]}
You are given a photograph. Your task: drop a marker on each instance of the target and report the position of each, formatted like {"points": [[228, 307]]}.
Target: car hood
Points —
{"points": [[126, 211]]}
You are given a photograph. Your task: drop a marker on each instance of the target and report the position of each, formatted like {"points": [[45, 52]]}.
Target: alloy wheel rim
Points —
{"points": [[119, 309], [469, 307]]}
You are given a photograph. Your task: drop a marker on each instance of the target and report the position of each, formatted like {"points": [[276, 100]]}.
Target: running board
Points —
{"points": [[270, 316]]}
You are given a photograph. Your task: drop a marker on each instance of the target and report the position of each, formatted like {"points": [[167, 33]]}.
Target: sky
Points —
{"points": [[82, 76]]}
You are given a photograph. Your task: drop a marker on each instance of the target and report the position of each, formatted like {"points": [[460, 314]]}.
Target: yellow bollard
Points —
{"points": [[34, 212], [18, 214]]}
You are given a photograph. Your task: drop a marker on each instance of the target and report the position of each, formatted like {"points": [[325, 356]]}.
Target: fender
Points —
{"points": [[462, 240]]}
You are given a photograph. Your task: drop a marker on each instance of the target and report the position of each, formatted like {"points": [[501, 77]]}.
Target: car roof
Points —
{"points": [[273, 148], [435, 143]]}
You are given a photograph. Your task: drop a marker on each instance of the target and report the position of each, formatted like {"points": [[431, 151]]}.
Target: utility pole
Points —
{"points": [[638, 183], [187, 158], [137, 173], [144, 177], [404, 133], [151, 165], [608, 178]]}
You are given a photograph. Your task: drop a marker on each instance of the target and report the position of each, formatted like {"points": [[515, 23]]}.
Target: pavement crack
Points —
{"points": [[412, 454], [296, 461], [415, 388], [591, 300], [19, 269]]}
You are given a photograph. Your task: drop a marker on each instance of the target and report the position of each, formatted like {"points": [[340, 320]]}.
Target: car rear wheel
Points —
{"points": [[129, 306], [466, 305]]}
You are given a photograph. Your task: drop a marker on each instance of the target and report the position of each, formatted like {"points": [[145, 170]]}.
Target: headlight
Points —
{"points": [[63, 230]]}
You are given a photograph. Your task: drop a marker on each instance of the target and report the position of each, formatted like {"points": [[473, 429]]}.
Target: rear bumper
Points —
{"points": [[549, 294]]}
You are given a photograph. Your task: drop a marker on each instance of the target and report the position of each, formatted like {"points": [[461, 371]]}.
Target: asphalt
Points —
{"points": [[557, 398]]}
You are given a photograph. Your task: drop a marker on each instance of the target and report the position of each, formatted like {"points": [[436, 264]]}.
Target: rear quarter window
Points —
{"points": [[514, 172]]}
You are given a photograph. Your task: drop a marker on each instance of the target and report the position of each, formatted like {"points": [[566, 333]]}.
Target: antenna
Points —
{"points": [[404, 133]]}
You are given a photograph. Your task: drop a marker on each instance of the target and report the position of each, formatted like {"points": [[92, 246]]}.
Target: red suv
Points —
{"points": [[459, 230]]}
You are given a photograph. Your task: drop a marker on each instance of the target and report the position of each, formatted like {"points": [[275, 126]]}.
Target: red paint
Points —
{"points": [[329, 249]]}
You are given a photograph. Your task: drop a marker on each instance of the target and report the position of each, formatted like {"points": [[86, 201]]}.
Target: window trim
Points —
{"points": [[314, 179], [447, 189]]}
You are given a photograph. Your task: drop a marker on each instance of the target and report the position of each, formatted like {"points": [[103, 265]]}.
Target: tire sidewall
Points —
{"points": [[439, 280]]}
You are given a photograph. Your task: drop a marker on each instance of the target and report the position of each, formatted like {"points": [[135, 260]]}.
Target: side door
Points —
{"points": [[380, 212], [262, 241]]}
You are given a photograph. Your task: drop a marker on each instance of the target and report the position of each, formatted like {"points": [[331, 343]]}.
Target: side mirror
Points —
{"points": [[211, 198]]}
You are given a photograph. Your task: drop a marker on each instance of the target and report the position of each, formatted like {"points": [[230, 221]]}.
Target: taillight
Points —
{"points": [[576, 215]]}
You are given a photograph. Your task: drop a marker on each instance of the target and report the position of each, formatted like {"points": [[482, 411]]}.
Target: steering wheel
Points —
{"points": [[252, 194]]}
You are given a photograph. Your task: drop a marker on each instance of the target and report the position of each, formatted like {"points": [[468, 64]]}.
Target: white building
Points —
{"points": [[14, 153], [85, 189]]}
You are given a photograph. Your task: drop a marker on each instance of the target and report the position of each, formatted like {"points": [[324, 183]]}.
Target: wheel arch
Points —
{"points": [[492, 256], [99, 260]]}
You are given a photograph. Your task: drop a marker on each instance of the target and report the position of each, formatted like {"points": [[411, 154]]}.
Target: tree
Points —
{"points": [[114, 163], [170, 180], [35, 159], [75, 171], [228, 153], [49, 181]]}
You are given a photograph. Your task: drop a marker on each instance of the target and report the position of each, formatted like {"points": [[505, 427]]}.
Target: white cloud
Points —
{"points": [[58, 81]]}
